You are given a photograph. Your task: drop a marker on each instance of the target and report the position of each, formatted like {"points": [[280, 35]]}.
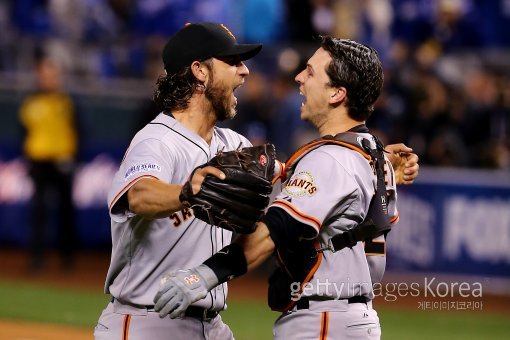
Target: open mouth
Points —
{"points": [[304, 98], [233, 93]]}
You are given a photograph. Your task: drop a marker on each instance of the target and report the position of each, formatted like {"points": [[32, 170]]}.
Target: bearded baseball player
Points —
{"points": [[153, 231], [183, 186], [339, 191]]}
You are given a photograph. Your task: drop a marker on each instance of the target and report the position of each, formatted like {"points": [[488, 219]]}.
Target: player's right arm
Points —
{"points": [[179, 289], [153, 198], [142, 185]]}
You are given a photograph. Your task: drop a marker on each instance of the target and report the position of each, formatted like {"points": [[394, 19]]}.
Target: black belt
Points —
{"points": [[192, 311], [304, 301], [201, 313]]}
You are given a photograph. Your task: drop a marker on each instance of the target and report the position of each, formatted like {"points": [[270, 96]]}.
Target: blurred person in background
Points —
{"points": [[50, 147], [255, 104], [287, 131]]}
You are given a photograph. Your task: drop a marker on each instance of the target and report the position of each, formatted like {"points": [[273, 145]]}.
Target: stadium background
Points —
{"points": [[447, 94]]}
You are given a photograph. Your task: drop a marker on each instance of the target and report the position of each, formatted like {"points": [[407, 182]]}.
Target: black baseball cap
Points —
{"points": [[201, 41]]}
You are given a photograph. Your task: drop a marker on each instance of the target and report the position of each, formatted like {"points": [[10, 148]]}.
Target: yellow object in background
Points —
{"points": [[49, 121]]}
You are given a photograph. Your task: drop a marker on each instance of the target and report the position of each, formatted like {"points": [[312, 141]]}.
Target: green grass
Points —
{"points": [[249, 320], [417, 325], [23, 301]]}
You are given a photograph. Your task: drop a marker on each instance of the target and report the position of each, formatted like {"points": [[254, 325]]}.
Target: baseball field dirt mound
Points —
{"points": [[24, 330]]}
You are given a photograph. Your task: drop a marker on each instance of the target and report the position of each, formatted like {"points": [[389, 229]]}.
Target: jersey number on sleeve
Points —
{"points": [[180, 216]]}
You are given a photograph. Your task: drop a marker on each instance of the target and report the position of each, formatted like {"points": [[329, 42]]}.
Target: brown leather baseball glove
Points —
{"points": [[237, 202]]}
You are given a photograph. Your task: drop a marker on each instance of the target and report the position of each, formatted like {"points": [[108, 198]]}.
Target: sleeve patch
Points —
{"points": [[141, 168], [301, 184]]}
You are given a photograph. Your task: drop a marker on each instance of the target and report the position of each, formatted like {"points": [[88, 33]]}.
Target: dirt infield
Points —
{"points": [[22, 330]]}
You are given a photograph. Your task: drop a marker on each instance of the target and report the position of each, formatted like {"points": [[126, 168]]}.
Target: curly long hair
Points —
{"points": [[357, 68], [173, 92]]}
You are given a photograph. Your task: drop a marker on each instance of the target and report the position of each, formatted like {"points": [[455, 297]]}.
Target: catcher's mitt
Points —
{"points": [[237, 202]]}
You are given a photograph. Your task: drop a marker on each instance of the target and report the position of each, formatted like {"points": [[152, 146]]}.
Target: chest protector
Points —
{"points": [[299, 259]]}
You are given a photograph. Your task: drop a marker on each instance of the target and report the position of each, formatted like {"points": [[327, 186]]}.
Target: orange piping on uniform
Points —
{"points": [[324, 325], [313, 220], [328, 141], [280, 175], [126, 187], [394, 219], [125, 327]]}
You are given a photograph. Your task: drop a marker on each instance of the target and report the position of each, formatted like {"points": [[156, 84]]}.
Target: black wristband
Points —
{"points": [[228, 263]]}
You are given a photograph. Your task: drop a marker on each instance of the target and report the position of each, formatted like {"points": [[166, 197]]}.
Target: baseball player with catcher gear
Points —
{"points": [[338, 196]]}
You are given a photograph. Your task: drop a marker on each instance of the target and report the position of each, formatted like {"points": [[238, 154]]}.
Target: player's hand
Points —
{"points": [[179, 289], [404, 161], [199, 175]]}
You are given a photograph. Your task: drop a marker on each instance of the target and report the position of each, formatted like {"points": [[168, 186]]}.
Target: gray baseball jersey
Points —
{"points": [[330, 192], [143, 250]]}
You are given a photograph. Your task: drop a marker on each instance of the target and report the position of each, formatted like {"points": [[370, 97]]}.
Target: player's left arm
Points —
{"points": [[403, 170]]}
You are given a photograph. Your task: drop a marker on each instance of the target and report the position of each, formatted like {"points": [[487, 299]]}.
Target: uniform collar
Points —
{"points": [[362, 128], [168, 119]]}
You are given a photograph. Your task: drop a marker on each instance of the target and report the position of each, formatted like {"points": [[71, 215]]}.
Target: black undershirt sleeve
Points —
{"points": [[282, 227], [230, 262]]}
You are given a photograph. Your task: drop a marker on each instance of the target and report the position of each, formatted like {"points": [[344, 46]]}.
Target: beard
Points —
{"points": [[219, 97]]}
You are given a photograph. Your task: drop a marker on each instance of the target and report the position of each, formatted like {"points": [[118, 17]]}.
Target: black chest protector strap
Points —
{"points": [[377, 221]]}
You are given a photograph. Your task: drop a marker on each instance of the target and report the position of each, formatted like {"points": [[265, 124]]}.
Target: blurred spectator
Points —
{"points": [[378, 19], [288, 131], [264, 21], [32, 17], [455, 26], [253, 109], [431, 99], [412, 21], [50, 147], [323, 18], [348, 19], [299, 20], [480, 115]]}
